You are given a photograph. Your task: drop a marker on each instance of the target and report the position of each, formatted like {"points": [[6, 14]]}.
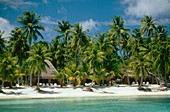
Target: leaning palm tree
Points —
{"points": [[95, 57], [38, 55], [119, 31], [30, 28]]}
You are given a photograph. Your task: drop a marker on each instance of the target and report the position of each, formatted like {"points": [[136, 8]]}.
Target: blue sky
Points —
{"points": [[92, 14]]}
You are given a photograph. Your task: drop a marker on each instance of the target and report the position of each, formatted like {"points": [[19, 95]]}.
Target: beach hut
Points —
{"points": [[46, 77]]}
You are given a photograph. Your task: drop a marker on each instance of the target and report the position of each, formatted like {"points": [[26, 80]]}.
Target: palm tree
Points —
{"points": [[64, 28], [95, 57], [119, 31], [2, 42], [79, 39], [8, 65], [30, 28], [18, 44], [72, 71], [148, 27], [140, 64], [38, 54], [161, 52]]}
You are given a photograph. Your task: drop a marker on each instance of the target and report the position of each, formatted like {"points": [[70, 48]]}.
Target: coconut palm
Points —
{"points": [[119, 31], [30, 28], [148, 26], [161, 52], [38, 54], [2, 42], [79, 38], [8, 65], [95, 57], [140, 64], [64, 28], [72, 71], [18, 44]]}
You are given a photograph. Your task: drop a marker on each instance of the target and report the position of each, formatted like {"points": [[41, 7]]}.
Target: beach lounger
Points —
{"points": [[43, 84], [147, 83], [47, 85], [17, 85], [55, 84], [51, 85]]}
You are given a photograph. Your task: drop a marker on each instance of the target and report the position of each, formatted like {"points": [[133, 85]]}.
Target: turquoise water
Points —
{"points": [[94, 104]]}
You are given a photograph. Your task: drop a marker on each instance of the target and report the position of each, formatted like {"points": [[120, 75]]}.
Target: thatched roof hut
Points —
{"points": [[50, 70]]}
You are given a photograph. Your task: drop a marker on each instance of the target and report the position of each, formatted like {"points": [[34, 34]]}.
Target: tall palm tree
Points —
{"points": [[118, 30], [79, 39], [30, 28], [161, 52], [95, 57], [2, 42], [18, 44], [64, 28], [38, 54], [148, 26], [105, 45]]}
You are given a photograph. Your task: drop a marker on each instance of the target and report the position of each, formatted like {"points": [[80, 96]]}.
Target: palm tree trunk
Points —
{"points": [[125, 68], [123, 61], [141, 81], [92, 78], [30, 80], [165, 78], [38, 81]]}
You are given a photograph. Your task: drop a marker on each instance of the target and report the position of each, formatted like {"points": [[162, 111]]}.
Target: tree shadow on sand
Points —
{"points": [[13, 93], [46, 92]]}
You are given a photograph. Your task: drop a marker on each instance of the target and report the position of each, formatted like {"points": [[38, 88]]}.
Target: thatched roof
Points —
{"points": [[50, 70]]}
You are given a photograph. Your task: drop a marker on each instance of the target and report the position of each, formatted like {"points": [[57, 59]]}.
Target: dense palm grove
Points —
{"points": [[79, 56]]}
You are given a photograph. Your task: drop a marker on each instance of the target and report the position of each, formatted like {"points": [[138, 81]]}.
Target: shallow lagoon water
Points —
{"points": [[89, 104]]}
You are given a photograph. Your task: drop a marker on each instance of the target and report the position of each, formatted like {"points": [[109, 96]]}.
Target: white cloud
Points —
{"points": [[131, 22], [48, 20], [90, 24], [62, 10], [45, 1], [139, 8], [5, 26], [164, 21], [16, 4]]}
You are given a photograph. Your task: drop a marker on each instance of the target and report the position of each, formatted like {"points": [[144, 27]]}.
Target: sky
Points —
{"points": [[91, 14]]}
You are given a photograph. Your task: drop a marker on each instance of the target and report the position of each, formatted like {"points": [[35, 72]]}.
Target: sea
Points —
{"points": [[88, 104]]}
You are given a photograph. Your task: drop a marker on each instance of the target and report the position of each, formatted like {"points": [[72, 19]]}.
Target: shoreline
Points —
{"points": [[57, 97], [69, 92]]}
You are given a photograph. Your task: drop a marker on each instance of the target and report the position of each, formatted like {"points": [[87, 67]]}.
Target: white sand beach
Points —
{"points": [[57, 92]]}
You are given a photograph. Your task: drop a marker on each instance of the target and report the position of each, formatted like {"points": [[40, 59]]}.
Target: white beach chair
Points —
{"points": [[147, 83], [43, 84], [143, 83], [51, 85], [133, 83], [17, 85], [55, 84], [47, 85]]}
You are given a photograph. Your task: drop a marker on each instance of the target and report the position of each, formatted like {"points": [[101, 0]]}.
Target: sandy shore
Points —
{"points": [[57, 92]]}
